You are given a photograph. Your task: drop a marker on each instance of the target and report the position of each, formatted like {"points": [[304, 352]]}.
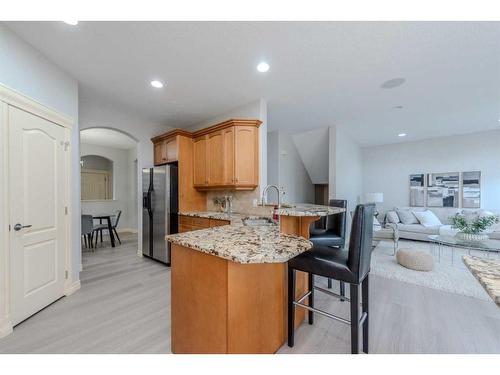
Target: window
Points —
{"points": [[96, 178]]}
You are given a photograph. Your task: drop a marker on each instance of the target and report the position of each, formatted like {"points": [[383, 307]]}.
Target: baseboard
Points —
{"points": [[139, 253], [5, 327], [72, 288]]}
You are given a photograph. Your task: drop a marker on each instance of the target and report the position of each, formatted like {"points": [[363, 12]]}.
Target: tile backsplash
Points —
{"points": [[242, 202]]}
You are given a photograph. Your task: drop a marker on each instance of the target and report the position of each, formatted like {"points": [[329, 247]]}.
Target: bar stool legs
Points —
{"points": [[291, 307], [354, 297], [342, 290], [311, 298], [355, 322], [364, 293]]}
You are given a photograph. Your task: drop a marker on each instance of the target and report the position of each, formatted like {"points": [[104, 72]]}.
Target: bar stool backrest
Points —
{"points": [[336, 223], [360, 244]]}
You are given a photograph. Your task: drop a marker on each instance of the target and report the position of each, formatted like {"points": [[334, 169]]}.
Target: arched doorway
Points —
{"points": [[109, 191]]}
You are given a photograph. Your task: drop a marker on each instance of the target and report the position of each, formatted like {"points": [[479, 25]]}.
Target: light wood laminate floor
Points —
{"points": [[124, 307]]}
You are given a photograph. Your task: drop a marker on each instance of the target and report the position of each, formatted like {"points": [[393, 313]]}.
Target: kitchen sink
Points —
{"points": [[258, 221]]}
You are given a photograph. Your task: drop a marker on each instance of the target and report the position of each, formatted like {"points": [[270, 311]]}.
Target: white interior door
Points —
{"points": [[37, 177]]}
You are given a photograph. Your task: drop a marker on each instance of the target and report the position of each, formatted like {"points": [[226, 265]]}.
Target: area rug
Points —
{"points": [[447, 276]]}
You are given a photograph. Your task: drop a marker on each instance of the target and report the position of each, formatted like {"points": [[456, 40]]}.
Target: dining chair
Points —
{"points": [[88, 230], [114, 223], [99, 228]]}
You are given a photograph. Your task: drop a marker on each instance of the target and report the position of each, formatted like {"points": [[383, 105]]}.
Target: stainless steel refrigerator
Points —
{"points": [[160, 210]]}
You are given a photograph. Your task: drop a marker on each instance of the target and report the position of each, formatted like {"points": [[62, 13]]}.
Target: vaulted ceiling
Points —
{"points": [[322, 73]]}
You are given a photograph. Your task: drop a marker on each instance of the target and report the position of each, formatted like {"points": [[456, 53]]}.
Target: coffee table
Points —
{"points": [[488, 246]]}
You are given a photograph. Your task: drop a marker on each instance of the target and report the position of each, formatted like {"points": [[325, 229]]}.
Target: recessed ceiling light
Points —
{"points": [[402, 135], [72, 23], [395, 82], [157, 84], [263, 67], [398, 107]]}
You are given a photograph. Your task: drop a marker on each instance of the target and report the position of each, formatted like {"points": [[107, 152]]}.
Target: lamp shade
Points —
{"points": [[374, 197]]}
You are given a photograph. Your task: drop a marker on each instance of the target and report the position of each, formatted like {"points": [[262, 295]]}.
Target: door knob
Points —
{"points": [[18, 227]]}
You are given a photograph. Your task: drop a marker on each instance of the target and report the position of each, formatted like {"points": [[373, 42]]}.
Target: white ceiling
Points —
{"points": [[107, 138], [322, 73]]}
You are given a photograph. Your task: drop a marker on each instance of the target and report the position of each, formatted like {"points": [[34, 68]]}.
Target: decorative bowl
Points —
{"points": [[472, 237]]}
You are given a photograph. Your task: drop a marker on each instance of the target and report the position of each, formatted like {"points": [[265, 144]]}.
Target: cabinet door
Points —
{"points": [[160, 153], [246, 156], [228, 151], [200, 161], [218, 223], [215, 158], [171, 149]]}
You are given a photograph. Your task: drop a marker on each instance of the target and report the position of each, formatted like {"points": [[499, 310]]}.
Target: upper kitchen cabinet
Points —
{"points": [[226, 156], [166, 148], [200, 174]]}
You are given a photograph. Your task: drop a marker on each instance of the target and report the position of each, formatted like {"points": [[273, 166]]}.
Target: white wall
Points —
{"points": [[286, 169], [313, 150], [293, 176], [345, 179], [27, 71], [98, 112], [387, 168], [123, 186], [273, 163]]}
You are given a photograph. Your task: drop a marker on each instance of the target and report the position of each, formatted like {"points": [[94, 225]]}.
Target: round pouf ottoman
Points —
{"points": [[415, 260]]}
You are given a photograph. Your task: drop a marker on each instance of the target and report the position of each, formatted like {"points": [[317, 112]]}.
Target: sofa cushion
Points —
{"points": [[407, 217], [494, 235], [418, 228], [392, 217], [427, 218]]}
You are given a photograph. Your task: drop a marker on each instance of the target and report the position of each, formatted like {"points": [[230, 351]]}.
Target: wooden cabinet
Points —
{"points": [[215, 158], [189, 223], [228, 151], [165, 150], [200, 161], [226, 156], [246, 156]]}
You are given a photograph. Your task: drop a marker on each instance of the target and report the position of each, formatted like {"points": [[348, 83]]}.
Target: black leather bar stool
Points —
{"points": [[350, 267], [334, 233]]}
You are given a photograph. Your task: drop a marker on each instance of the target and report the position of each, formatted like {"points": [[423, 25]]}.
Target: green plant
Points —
{"points": [[474, 226]]}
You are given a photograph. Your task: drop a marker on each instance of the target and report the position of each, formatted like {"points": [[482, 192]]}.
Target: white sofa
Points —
{"points": [[421, 233]]}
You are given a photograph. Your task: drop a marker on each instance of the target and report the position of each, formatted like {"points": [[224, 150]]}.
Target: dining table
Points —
{"points": [[107, 217]]}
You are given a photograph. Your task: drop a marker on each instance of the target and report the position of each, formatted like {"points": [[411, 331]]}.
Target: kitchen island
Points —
{"points": [[228, 289]]}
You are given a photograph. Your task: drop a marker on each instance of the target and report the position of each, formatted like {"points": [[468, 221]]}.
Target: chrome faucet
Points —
{"points": [[229, 204], [264, 195]]}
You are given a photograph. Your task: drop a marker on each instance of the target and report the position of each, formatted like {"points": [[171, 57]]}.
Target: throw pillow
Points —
{"points": [[407, 217], [428, 218], [392, 217]]}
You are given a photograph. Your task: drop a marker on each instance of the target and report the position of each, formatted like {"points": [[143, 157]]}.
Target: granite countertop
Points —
{"points": [[306, 209], [242, 244], [487, 272]]}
